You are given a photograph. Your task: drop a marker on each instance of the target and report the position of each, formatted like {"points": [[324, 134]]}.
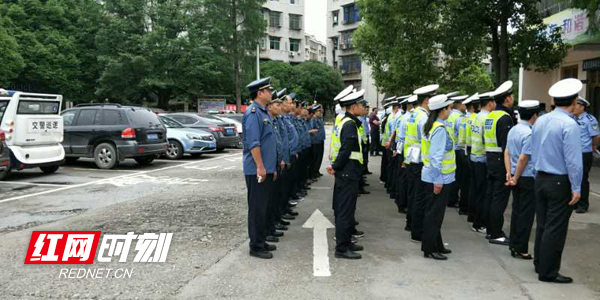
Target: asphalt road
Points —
{"points": [[203, 203]]}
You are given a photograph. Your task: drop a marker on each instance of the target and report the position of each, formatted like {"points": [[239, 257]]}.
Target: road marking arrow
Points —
{"points": [[320, 224]]}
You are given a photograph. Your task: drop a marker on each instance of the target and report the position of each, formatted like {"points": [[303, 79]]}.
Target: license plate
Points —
{"points": [[153, 136], [229, 131], [213, 145]]}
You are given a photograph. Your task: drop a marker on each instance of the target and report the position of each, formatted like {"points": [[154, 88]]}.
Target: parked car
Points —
{"points": [[225, 133], [187, 140], [4, 156], [232, 118], [111, 133], [33, 130]]}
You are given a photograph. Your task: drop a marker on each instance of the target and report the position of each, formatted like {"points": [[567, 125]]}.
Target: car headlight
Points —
{"points": [[193, 136], [208, 138]]}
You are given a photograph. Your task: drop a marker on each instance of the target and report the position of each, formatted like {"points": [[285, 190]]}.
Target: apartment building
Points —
{"points": [[314, 49], [343, 18], [285, 38], [582, 61]]}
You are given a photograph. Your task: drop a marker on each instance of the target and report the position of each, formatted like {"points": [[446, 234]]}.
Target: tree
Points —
{"points": [[282, 74], [11, 61], [235, 28], [470, 80]]}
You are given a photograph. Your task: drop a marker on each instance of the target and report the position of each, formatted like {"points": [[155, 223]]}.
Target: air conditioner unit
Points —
{"points": [[292, 54]]}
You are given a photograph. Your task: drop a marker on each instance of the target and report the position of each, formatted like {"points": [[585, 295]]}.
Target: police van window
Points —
{"points": [[86, 117], [28, 107], [113, 117], [69, 117], [3, 105], [143, 117]]}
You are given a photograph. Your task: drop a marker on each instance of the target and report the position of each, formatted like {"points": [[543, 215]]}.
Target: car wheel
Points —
{"points": [[174, 150], [196, 155], [50, 169], [145, 160], [105, 156], [4, 174], [220, 149]]}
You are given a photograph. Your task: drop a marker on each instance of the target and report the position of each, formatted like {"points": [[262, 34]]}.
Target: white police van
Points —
{"points": [[34, 130]]}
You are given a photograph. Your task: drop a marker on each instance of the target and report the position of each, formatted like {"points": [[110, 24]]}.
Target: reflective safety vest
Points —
{"points": [[477, 143], [449, 160], [386, 133], [335, 135], [411, 139], [489, 131], [337, 144], [363, 134], [451, 123], [467, 128]]}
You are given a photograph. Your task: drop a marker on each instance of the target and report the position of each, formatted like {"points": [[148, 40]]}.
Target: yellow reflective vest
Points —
{"points": [[489, 131], [477, 143], [449, 160], [337, 143], [335, 136], [412, 132]]}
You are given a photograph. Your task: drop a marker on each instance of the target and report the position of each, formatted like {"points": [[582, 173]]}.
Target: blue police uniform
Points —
{"points": [[258, 128], [523, 205], [589, 129], [556, 153], [417, 213]]}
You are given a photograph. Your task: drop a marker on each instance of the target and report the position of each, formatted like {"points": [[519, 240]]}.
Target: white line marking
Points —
{"points": [[104, 170], [229, 168], [319, 223], [202, 169], [595, 194], [31, 183], [233, 159], [112, 178]]}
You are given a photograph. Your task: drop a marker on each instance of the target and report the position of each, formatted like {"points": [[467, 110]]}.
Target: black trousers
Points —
{"points": [[418, 202], [384, 165], [375, 142], [464, 179], [456, 185], [316, 159], [259, 196], [435, 208], [345, 194], [500, 194], [584, 202], [523, 212], [401, 188], [480, 216], [553, 193], [365, 153], [392, 174]]}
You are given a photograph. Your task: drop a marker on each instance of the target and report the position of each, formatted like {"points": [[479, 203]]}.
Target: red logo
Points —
{"points": [[62, 247]]}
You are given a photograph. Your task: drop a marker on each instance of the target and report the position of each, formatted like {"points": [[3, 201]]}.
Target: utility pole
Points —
{"points": [[257, 61]]}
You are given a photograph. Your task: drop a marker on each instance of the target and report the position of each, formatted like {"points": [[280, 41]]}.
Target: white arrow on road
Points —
{"points": [[320, 224]]}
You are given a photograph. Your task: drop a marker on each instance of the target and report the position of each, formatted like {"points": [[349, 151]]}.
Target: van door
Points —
{"points": [[69, 118], [84, 131]]}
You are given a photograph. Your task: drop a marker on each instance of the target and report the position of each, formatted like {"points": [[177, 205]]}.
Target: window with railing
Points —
{"points": [[346, 40], [295, 22], [350, 64], [335, 16], [274, 19]]}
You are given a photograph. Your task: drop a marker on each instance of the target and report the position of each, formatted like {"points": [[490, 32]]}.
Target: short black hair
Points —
{"points": [[253, 95], [567, 101], [526, 116], [484, 102]]}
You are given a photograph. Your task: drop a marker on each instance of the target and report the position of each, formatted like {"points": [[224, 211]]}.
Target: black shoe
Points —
{"points": [[276, 233], [281, 227], [292, 213], [356, 223], [402, 210], [285, 223], [446, 251], [369, 172], [356, 247], [366, 184], [272, 239], [270, 247], [580, 210], [525, 256], [295, 198], [363, 192], [262, 254], [436, 256], [500, 241], [557, 279], [349, 254], [488, 236], [415, 240], [358, 234], [407, 228], [288, 217]]}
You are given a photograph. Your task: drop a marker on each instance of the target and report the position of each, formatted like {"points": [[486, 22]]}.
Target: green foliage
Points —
{"points": [[310, 80], [593, 9], [11, 61], [470, 80]]}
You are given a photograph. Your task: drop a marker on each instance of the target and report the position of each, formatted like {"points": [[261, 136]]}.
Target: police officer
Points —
{"points": [[400, 176], [285, 163], [347, 168], [439, 167], [385, 136], [260, 165], [273, 211], [407, 177], [390, 184], [556, 153], [519, 175], [317, 140], [412, 153], [363, 132], [467, 194], [340, 114], [478, 163], [590, 137], [497, 125], [288, 106], [453, 122]]}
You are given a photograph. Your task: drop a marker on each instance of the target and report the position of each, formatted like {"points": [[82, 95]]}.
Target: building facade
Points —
{"points": [[314, 49], [582, 61], [343, 18], [285, 38]]}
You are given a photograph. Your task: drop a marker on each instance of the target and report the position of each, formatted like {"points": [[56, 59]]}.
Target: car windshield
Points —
{"points": [[143, 117], [170, 123], [29, 107], [237, 117], [3, 105]]}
